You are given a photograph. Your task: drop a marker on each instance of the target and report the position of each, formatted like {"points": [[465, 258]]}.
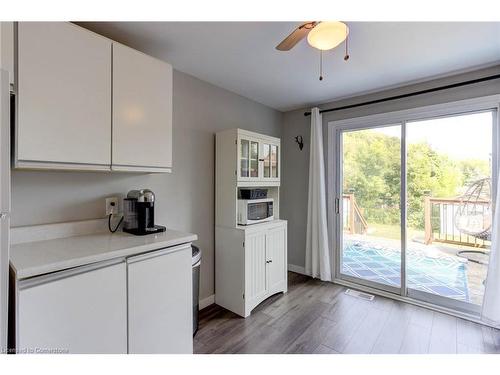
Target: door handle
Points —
{"points": [[269, 261]]}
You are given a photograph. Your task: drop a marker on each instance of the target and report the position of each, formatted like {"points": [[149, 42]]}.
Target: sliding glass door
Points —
{"points": [[414, 206], [449, 165], [371, 215]]}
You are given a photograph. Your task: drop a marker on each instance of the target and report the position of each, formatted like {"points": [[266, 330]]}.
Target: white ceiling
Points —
{"points": [[240, 56]]}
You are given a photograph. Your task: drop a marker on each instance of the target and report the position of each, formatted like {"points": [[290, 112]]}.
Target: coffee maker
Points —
{"points": [[139, 213]]}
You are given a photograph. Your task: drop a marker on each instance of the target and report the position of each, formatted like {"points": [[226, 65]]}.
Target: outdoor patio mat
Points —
{"points": [[444, 276]]}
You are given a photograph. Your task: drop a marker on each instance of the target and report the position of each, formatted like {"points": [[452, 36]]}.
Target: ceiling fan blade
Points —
{"points": [[296, 36]]}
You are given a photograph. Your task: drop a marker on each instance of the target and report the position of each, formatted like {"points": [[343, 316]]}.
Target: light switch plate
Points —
{"points": [[112, 205]]}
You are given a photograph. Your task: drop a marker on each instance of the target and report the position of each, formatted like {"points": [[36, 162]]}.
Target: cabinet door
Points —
{"points": [[276, 259], [4, 278], [64, 97], [142, 111], [7, 49], [5, 187], [74, 312], [248, 165], [160, 302], [270, 161], [255, 267]]}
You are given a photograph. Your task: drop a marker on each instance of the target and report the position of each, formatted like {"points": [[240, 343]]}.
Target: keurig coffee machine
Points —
{"points": [[139, 213]]}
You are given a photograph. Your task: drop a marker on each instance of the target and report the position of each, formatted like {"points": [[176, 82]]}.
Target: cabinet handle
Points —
{"points": [[261, 159], [269, 261], [157, 253], [58, 275]]}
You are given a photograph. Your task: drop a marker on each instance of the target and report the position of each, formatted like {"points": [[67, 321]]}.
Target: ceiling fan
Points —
{"points": [[322, 35]]}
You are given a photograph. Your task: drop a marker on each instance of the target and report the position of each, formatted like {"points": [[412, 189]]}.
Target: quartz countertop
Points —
{"points": [[40, 257]]}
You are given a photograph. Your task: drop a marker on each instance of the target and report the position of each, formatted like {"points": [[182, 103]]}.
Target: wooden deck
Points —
{"points": [[317, 317]]}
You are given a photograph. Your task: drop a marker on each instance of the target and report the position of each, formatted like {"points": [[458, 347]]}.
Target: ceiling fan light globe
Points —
{"points": [[327, 35]]}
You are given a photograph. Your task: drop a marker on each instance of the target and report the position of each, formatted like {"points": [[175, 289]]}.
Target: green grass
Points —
{"points": [[392, 231]]}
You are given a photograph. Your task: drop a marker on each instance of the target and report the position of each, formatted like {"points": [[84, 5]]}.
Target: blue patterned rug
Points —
{"points": [[444, 276]]}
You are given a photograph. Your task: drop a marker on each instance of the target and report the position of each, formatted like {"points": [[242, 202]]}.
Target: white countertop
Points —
{"points": [[36, 258]]}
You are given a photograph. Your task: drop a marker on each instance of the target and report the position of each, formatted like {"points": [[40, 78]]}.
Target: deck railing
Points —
{"points": [[354, 222], [439, 222]]}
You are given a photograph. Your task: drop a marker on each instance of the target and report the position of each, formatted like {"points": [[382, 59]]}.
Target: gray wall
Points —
{"points": [[295, 163], [185, 198]]}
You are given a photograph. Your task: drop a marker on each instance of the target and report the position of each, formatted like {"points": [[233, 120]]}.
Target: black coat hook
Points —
{"points": [[300, 142]]}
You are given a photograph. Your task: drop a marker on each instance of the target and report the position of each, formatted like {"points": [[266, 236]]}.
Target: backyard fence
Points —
{"points": [[439, 221]]}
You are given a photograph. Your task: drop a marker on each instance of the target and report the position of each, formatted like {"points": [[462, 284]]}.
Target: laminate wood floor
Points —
{"points": [[317, 317]]}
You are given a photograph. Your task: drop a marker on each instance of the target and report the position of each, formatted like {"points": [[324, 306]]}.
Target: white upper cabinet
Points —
{"points": [[63, 97], [7, 49], [84, 102], [258, 158], [142, 112]]}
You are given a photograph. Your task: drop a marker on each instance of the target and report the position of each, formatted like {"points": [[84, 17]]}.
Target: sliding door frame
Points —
{"points": [[339, 209], [334, 176]]}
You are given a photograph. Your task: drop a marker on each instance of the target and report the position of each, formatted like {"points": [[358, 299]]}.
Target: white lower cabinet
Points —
{"points": [[251, 265], [160, 318], [142, 304], [82, 311], [255, 267], [277, 267]]}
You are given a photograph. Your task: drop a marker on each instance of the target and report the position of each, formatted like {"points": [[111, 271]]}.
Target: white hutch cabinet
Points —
{"points": [[250, 260]]}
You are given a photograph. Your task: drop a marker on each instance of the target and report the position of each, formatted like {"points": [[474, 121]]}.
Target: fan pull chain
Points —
{"points": [[320, 65], [346, 57]]}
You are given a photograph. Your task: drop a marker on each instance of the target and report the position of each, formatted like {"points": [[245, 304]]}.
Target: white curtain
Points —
{"points": [[491, 300], [317, 252]]}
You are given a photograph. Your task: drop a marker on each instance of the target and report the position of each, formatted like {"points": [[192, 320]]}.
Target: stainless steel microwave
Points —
{"points": [[252, 211]]}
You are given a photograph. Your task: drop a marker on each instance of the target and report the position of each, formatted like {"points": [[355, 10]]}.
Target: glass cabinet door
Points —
{"points": [[274, 161], [244, 157], [249, 158], [270, 160], [266, 159], [259, 160], [254, 159]]}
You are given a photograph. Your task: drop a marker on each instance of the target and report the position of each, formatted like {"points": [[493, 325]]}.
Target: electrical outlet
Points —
{"points": [[111, 205]]}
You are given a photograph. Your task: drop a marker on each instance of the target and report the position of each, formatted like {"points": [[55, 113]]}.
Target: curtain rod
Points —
{"points": [[453, 85]]}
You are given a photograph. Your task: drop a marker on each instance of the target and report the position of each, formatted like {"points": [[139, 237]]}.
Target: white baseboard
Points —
{"points": [[297, 269], [210, 300]]}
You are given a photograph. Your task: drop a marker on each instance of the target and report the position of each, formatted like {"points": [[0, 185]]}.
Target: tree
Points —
{"points": [[372, 170]]}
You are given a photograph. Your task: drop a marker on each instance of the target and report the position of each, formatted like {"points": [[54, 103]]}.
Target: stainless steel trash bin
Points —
{"points": [[196, 286]]}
